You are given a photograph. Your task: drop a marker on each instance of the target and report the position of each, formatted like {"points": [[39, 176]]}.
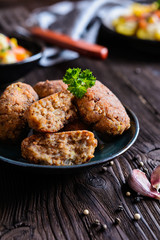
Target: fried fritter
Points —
{"points": [[47, 88], [13, 103], [102, 109], [63, 148], [51, 113]]}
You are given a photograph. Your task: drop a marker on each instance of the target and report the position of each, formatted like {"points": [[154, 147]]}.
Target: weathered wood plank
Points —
{"points": [[34, 206]]}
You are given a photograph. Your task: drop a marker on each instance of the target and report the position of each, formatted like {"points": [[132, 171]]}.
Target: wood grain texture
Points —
{"points": [[50, 207]]}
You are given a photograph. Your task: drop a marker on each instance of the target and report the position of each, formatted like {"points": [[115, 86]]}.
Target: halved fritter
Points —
{"points": [[63, 148], [47, 88], [102, 109], [13, 103], [51, 113]]}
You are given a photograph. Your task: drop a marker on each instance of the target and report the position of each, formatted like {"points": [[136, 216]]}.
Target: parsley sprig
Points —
{"points": [[79, 81]]}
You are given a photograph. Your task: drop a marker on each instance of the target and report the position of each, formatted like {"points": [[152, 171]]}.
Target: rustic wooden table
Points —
{"points": [[39, 206]]}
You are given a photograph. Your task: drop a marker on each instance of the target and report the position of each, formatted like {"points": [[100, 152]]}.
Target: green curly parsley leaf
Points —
{"points": [[79, 81]]}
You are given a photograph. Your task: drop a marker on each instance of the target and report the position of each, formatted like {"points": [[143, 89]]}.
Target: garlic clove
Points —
{"points": [[155, 178], [139, 183]]}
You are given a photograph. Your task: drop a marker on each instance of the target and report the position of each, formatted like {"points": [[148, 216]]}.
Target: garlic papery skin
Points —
{"points": [[138, 181], [155, 178]]}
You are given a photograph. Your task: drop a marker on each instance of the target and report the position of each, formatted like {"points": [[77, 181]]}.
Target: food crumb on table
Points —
{"points": [[137, 216], [86, 212], [128, 194]]}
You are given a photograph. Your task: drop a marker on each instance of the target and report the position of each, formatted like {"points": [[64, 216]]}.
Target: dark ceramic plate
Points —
{"points": [[109, 148], [148, 46]]}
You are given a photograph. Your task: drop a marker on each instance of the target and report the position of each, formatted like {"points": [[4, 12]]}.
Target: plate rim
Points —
{"points": [[80, 166]]}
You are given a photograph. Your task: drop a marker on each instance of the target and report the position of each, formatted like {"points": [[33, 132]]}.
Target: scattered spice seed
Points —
{"points": [[120, 208], [111, 163], [104, 169], [128, 194], [145, 170], [137, 199], [117, 221], [104, 226], [86, 212], [137, 216], [137, 158], [141, 163], [137, 70], [97, 223]]}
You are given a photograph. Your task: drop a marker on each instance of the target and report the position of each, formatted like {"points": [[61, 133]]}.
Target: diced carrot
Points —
{"points": [[20, 53], [143, 23], [7, 38], [157, 13]]}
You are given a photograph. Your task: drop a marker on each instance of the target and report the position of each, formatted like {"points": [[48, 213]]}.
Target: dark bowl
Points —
{"points": [[141, 45], [13, 71]]}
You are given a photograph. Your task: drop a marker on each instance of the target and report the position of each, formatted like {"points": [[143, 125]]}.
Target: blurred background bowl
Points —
{"points": [[13, 71], [109, 37]]}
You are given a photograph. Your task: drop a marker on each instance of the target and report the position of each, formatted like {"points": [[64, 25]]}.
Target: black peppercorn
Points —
{"points": [[145, 170], [120, 208], [104, 169], [104, 226], [137, 158], [137, 199], [117, 221], [96, 223]]}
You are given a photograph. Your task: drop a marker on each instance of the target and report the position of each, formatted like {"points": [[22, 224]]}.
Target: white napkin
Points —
{"points": [[76, 19]]}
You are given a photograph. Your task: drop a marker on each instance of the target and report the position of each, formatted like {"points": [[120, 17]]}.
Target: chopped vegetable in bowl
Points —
{"points": [[10, 51], [141, 21]]}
